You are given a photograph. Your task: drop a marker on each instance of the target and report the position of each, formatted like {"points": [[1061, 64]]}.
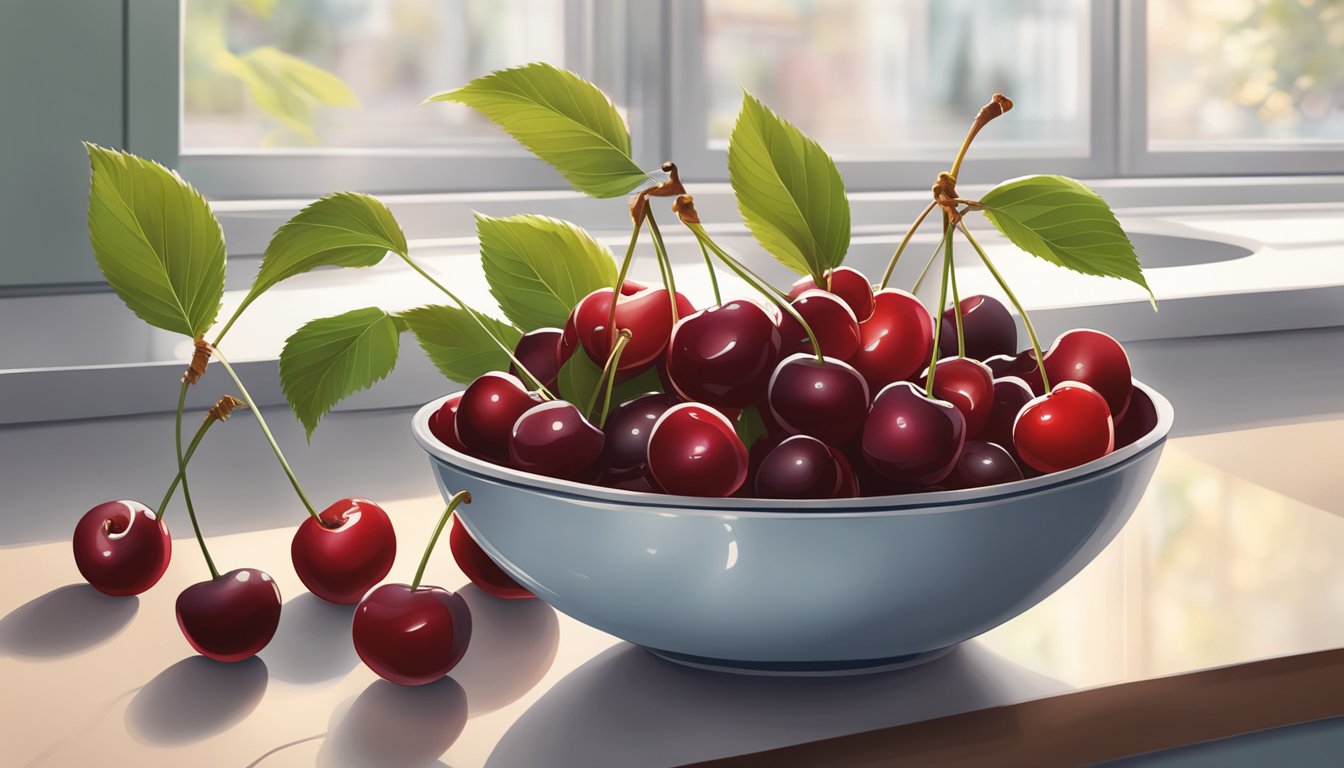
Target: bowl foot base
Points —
{"points": [[840, 668]]}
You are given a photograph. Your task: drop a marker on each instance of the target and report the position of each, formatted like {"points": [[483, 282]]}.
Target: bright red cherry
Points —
{"points": [[539, 352], [1011, 394], [411, 636], [477, 565], [967, 384], [647, 314], [825, 399], [723, 356], [896, 342], [910, 438], [554, 439], [988, 327], [1139, 418], [443, 423], [232, 616], [1022, 365], [122, 548], [830, 319], [799, 467], [983, 464], [1065, 428], [489, 408], [347, 553], [627, 439], [1095, 359], [694, 451], [851, 285]]}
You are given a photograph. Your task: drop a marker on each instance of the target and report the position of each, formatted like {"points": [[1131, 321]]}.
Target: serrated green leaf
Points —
{"points": [[330, 358], [579, 378], [456, 344], [749, 426], [789, 191], [156, 241], [286, 87], [538, 267], [1064, 222], [562, 119]]}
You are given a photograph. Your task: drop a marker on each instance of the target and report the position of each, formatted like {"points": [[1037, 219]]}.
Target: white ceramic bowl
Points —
{"points": [[797, 587]]}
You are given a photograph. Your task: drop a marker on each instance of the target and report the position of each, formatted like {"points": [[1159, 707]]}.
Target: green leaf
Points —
{"points": [[645, 382], [749, 426], [562, 119], [456, 344], [347, 229], [1062, 221], [579, 379], [286, 87], [330, 358], [156, 241], [538, 267], [789, 191]]}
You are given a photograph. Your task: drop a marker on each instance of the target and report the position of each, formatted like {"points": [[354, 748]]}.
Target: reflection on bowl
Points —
{"points": [[830, 586]]}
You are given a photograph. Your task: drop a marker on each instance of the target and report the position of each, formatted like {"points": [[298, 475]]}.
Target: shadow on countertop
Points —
{"points": [[65, 621], [170, 709]]}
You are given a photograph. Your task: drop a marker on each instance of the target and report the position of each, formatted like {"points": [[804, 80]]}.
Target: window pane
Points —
{"points": [[1245, 70], [903, 78]]}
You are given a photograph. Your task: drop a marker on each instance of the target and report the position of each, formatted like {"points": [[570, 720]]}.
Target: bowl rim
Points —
{"points": [[915, 503]]}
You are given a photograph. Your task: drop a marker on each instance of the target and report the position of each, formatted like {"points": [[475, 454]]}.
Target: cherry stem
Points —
{"points": [[996, 107], [932, 257], [541, 388], [186, 489], [938, 327], [210, 421], [909, 233], [460, 497], [608, 377], [713, 277], [620, 282], [1026, 319], [664, 263], [956, 297]]}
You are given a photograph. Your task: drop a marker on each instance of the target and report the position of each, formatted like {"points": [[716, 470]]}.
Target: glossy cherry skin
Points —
{"points": [[231, 617], [554, 439], [539, 352], [443, 423], [1011, 394], [851, 285], [896, 341], [1068, 427], [988, 327], [694, 451], [627, 439], [983, 464], [122, 548], [489, 408], [1139, 418], [647, 314], [799, 467], [827, 400], [829, 318], [723, 356], [969, 385], [477, 565], [347, 553], [1095, 359], [411, 636], [912, 439], [1022, 365]]}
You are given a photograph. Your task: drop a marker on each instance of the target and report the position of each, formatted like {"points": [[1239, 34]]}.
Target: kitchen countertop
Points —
{"points": [[1236, 553]]}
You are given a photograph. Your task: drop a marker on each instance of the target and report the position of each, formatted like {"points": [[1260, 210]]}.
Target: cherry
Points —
{"points": [[800, 467], [969, 385], [554, 439], [1022, 365], [1095, 359], [694, 451], [910, 438], [232, 616], [351, 549], [539, 352], [411, 635], [1010, 395], [443, 423], [627, 439], [122, 548], [827, 400], [1139, 418], [830, 319], [489, 408], [477, 565], [646, 313], [722, 356], [851, 285], [1065, 428], [987, 326], [896, 342], [983, 464]]}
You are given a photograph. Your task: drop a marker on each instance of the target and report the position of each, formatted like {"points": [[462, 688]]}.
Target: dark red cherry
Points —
{"points": [[411, 636], [489, 408], [694, 451], [539, 352], [848, 487], [122, 548], [851, 285], [967, 384], [983, 464], [830, 319], [554, 439], [896, 342], [1022, 365], [987, 325], [800, 467], [443, 423], [827, 400], [1065, 428], [723, 356], [627, 438], [1095, 359], [647, 314], [1139, 418], [477, 565], [912, 439], [1010, 395], [342, 557], [230, 617]]}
